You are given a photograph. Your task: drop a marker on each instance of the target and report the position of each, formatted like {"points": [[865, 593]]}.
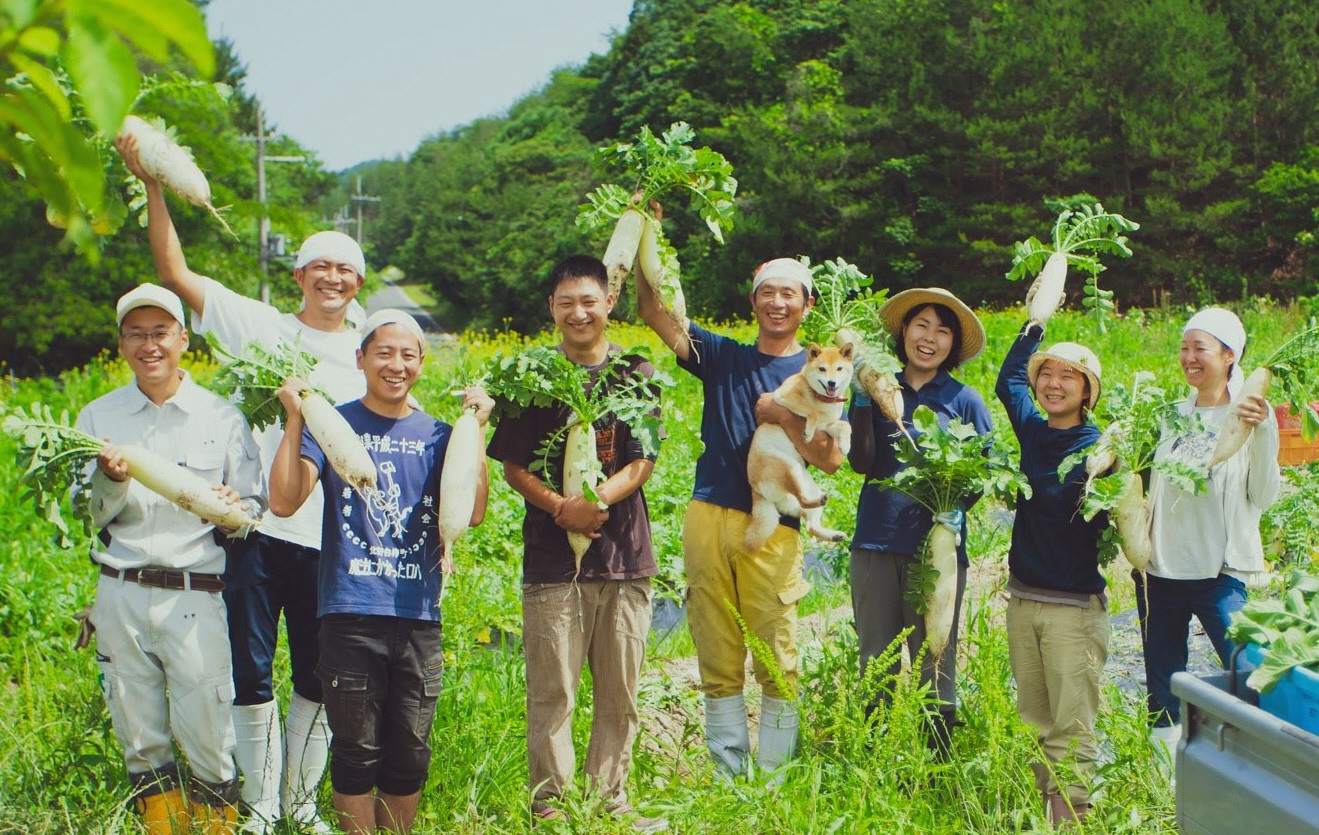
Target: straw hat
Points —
{"points": [[1071, 354], [973, 333]]}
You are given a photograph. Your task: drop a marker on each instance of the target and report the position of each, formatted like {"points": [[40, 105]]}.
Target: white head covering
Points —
{"points": [[393, 316], [1224, 326], [333, 246], [788, 269], [149, 295]]}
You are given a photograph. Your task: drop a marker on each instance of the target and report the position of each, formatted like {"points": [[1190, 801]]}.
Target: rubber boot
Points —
{"points": [[1165, 744], [215, 820], [306, 748], [726, 734], [164, 813], [778, 738], [939, 732], [1063, 813], [260, 755]]}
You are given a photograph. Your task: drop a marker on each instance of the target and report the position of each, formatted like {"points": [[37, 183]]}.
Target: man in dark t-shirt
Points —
{"points": [[599, 615]]}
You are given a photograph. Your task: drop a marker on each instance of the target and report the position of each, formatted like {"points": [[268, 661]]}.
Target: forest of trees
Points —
{"points": [[915, 138]]}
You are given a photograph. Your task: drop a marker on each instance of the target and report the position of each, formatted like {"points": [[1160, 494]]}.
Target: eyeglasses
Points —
{"points": [[136, 338]]}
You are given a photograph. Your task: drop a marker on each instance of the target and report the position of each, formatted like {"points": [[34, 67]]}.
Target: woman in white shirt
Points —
{"points": [[1206, 546]]}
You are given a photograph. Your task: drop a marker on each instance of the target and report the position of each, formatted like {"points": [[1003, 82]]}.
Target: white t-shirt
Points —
{"points": [[236, 320]]}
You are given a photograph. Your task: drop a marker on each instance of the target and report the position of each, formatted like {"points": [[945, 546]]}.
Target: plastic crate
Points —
{"points": [[1293, 449], [1295, 699]]}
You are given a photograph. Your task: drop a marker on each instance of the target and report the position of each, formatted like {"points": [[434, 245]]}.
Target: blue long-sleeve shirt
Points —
{"points": [[889, 520], [1053, 547]]}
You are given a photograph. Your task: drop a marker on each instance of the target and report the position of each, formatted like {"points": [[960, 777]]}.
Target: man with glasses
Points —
{"points": [[161, 641], [276, 569]]}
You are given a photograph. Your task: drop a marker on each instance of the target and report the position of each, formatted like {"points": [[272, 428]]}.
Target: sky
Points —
{"points": [[356, 80]]}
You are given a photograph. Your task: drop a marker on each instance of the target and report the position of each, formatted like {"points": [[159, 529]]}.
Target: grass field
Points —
{"points": [[61, 770]]}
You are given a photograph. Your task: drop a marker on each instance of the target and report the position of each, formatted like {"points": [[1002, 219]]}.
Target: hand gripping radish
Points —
{"points": [[342, 447], [163, 159], [1295, 364], [459, 481], [621, 253], [581, 475], [185, 489]]}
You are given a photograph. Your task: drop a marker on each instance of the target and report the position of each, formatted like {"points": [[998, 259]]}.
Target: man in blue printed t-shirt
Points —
{"points": [[380, 577], [738, 382]]}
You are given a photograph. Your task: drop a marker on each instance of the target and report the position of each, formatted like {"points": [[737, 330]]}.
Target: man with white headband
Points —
{"points": [[1205, 547], [274, 570], [738, 382], [380, 577]]}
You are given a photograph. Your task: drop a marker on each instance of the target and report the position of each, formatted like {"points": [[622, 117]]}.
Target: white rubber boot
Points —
{"points": [[778, 738], [306, 748], [726, 734], [1165, 744], [260, 756]]}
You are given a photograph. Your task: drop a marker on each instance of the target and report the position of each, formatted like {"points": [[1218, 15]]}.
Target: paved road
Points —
{"points": [[391, 295]]}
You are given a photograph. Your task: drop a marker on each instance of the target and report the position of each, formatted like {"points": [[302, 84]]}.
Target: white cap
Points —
{"points": [[788, 269], [394, 316], [332, 246], [149, 295], [1224, 326]]}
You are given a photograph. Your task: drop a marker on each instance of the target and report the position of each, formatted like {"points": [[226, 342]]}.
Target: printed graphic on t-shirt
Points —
{"points": [[604, 446], [1193, 448], [388, 517]]}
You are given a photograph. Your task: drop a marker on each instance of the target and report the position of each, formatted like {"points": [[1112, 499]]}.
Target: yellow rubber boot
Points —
{"points": [[215, 820], [165, 813]]}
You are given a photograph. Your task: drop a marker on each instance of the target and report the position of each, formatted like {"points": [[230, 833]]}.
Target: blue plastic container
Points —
{"points": [[1295, 699]]}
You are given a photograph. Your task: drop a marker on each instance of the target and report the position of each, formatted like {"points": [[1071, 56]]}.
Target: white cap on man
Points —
{"points": [[787, 269], [332, 246], [149, 295], [394, 316]]}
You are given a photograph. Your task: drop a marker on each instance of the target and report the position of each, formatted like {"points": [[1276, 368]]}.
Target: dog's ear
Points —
{"points": [[812, 351], [846, 351]]}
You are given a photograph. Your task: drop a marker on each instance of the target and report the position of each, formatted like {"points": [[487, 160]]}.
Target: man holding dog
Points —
{"points": [[762, 587]]}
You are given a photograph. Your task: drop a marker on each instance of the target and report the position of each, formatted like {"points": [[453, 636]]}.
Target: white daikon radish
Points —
{"points": [[342, 447], [941, 604], [1133, 523], [661, 273], [883, 389], [1045, 295], [459, 480], [580, 471], [185, 489], [621, 253], [171, 164], [1232, 436]]}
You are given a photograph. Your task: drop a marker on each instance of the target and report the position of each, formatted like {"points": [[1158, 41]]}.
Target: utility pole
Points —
{"points": [[359, 199], [263, 223]]}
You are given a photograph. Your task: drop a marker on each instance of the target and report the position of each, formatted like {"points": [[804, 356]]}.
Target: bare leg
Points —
{"points": [[395, 813], [357, 813]]}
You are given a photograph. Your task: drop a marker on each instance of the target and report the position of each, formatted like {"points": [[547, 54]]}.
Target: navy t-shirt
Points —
{"points": [[889, 520], [380, 555], [1053, 547], [733, 377]]}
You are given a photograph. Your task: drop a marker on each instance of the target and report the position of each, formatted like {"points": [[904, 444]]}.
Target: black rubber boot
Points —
{"points": [[939, 731]]}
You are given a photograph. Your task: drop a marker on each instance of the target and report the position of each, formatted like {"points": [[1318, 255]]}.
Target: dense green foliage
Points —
{"points": [[915, 139]]}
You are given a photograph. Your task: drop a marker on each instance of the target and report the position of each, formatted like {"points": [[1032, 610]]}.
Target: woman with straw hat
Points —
{"points": [[934, 332], [1057, 615], [1205, 548]]}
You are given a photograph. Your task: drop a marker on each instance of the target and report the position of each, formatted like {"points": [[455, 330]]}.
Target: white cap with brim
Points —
{"points": [[783, 269], [332, 246], [149, 295], [1071, 354], [1224, 326], [393, 316]]}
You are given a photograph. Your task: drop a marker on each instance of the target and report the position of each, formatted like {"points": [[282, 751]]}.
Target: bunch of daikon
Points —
{"points": [[171, 163], [1117, 465], [648, 169], [55, 454], [846, 311], [252, 380], [615, 393], [1079, 235], [1294, 366], [944, 469]]}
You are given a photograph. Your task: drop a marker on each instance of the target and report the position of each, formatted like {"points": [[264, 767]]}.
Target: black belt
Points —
{"points": [[164, 578]]}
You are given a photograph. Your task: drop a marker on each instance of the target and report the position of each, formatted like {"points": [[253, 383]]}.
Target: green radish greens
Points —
{"points": [[1287, 628], [1080, 234], [942, 468], [256, 376], [545, 377]]}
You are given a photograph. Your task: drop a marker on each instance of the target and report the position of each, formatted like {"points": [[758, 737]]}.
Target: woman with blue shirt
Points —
{"points": [[1057, 616], [934, 333]]}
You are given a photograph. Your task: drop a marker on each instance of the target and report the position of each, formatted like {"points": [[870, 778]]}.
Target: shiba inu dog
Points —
{"points": [[780, 484]]}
